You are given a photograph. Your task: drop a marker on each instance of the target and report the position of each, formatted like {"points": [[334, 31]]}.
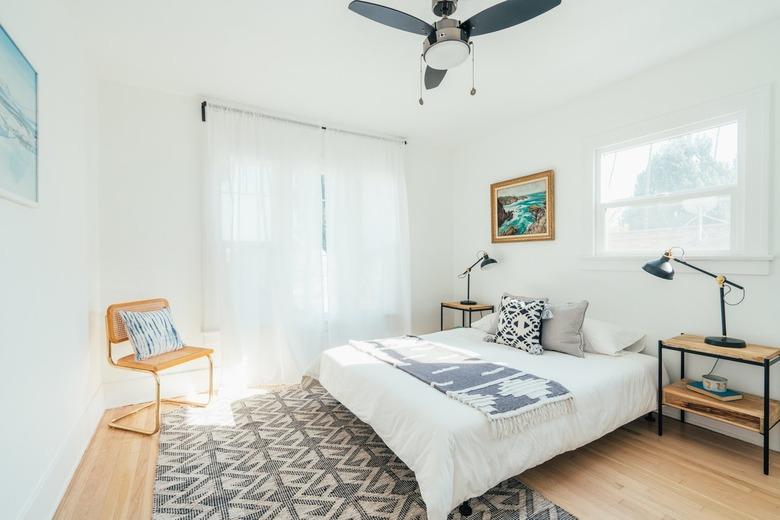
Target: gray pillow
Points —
{"points": [[563, 331]]}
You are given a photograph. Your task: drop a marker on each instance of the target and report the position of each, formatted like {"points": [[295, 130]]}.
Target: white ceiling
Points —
{"points": [[316, 60]]}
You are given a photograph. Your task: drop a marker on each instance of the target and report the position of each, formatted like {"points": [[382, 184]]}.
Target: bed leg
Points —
{"points": [[465, 509]]}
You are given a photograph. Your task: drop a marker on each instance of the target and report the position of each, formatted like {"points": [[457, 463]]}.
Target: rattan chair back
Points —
{"points": [[115, 326]]}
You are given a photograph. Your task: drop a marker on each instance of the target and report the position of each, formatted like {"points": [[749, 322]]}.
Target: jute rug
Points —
{"points": [[297, 453]]}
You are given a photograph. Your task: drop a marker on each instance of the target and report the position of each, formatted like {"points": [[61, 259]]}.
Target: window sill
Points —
{"points": [[749, 265]]}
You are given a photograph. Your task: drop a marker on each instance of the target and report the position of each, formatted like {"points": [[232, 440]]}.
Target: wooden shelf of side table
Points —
{"points": [[752, 412], [747, 413]]}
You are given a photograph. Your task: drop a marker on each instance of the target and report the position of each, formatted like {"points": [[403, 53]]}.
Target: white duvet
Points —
{"points": [[450, 446]]}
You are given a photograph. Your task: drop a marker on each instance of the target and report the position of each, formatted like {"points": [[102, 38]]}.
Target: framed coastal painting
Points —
{"points": [[523, 208], [18, 124]]}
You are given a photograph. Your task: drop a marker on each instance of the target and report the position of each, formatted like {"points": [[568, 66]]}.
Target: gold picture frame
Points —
{"points": [[523, 209]]}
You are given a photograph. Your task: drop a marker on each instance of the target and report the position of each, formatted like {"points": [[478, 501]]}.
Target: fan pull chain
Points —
{"points": [[473, 75], [421, 80]]}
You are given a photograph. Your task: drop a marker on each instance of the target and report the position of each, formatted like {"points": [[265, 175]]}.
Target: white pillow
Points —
{"points": [[602, 337], [639, 346], [488, 324]]}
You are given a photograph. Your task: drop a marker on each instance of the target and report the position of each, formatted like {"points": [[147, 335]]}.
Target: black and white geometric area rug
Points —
{"points": [[297, 453]]}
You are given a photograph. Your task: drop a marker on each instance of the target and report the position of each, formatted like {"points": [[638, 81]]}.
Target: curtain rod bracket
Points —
{"points": [[203, 111]]}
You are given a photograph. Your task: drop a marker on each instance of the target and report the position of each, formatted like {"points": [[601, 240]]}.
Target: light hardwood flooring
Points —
{"points": [[631, 473]]}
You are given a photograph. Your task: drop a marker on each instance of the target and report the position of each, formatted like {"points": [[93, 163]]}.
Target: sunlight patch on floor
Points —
{"points": [[220, 411]]}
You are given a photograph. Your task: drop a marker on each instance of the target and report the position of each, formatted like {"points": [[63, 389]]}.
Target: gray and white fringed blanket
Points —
{"points": [[512, 400]]}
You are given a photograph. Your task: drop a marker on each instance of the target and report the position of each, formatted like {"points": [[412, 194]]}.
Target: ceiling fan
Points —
{"points": [[447, 42]]}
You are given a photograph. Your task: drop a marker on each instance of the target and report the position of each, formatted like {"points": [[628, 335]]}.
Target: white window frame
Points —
{"points": [[749, 249], [737, 191]]}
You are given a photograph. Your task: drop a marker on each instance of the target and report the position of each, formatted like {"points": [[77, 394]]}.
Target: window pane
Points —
{"points": [[702, 159], [696, 224], [246, 206]]}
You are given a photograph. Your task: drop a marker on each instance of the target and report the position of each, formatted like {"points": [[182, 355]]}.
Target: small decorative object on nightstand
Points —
{"points": [[458, 306], [751, 412], [714, 383]]}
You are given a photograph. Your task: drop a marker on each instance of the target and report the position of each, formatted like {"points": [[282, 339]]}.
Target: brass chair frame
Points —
{"points": [[116, 333]]}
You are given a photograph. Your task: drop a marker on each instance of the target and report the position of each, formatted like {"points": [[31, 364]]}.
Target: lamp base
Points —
{"points": [[468, 302], [725, 341]]}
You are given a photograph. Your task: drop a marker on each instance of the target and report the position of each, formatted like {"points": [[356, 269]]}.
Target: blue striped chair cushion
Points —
{"points": [[151, 333]]}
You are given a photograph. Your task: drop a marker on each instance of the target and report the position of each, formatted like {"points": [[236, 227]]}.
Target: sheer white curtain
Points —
{"points": [[306, 243], [263, 246], [367, 238]]}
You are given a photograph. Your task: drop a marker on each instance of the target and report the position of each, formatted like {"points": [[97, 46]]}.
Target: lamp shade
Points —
{"points": [[662, 268], [486, 261]]}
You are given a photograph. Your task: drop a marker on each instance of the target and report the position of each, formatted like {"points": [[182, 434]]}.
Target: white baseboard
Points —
{"points": [[48, 493], [140, 387]]}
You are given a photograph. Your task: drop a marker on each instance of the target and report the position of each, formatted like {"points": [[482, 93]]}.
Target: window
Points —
{"points": [[245, 205], [679, 188], [697, 178]]}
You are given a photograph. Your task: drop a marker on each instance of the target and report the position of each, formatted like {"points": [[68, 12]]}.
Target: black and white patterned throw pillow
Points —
{"points": [[520, 324]]}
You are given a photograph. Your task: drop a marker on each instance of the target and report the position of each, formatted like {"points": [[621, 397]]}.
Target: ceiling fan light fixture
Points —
{"points": [[447, 54], [447, 46]]}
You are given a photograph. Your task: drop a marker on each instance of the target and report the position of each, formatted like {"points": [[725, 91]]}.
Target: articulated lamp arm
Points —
{"points": [[468, 270], [719, 278], [663, 269]]}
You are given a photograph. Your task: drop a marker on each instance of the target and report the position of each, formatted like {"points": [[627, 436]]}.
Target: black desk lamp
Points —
{"points": [[486, 261], [662, 268]]}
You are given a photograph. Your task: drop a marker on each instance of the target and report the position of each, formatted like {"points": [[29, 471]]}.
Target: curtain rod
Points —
{"points": [[204, 104]]}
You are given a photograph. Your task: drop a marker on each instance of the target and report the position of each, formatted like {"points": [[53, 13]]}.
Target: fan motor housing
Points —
{"points": [[447, 35], [444, 7]]}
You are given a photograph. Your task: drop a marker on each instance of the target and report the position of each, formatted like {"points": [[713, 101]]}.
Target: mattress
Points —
{"points": [[451, 447]]}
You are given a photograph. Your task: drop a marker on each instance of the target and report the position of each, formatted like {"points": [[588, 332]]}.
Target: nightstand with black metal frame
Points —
{"points": [[464, 309], [755, 413]]}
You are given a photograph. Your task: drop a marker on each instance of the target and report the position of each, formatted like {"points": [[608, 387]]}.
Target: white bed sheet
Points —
{"points": [[450, 446]]}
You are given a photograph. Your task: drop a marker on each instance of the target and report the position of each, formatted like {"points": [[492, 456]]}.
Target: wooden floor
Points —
{"points": [[631, 473]]}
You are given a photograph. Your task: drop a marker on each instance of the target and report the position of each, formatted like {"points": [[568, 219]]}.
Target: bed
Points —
{"points": [[450, 446]]}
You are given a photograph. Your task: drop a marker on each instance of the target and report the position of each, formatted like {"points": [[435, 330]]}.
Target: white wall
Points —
{"points": [[49, 319], [555, 139], [150, 192], [429, 188]]}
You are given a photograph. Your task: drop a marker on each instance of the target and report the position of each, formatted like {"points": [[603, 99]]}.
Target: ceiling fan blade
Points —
{"points": [[391, 17], [433, 77], [506, 14]]}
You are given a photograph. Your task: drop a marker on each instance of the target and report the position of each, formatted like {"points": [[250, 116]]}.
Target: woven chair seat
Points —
{"points": [[166, 360]]}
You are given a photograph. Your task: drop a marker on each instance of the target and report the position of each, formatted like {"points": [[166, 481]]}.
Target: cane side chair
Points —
{"points": [[116, 333]]}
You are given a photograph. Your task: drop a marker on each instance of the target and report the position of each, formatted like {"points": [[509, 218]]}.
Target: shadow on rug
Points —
{"points": [[297, 453]]}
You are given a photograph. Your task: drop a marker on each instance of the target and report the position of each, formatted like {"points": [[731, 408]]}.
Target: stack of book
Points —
{"points": [[728, 395]]}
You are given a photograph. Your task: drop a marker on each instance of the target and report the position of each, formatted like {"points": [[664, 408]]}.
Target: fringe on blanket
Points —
{"points": [[515, 421], [545, 411]]}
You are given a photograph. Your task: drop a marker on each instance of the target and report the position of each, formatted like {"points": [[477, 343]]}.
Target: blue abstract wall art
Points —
{"points": [[18, 124]]}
